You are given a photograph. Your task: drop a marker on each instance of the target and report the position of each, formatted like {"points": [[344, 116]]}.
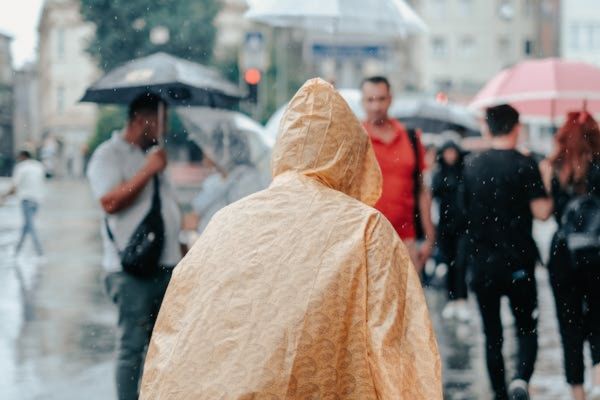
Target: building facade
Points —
{"points": [[6, 106], [64, 73], [469, 41], [580, 30], [26, 113]]}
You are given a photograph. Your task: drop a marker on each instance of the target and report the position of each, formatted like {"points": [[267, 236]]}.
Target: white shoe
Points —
{"points": [[594, 393], [518, 390], [449, 311]]}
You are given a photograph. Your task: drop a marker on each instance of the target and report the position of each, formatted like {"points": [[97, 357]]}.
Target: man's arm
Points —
{"points": [[539, 183], [125, 193]]}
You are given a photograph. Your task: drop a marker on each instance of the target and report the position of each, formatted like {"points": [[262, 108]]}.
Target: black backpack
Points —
{"points": [[580, 230]]}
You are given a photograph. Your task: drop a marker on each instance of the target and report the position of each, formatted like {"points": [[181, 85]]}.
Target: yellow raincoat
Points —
{"points": [[301, 291]]}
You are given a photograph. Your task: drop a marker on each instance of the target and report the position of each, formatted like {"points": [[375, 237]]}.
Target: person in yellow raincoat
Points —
{"points": [[303, 290]]}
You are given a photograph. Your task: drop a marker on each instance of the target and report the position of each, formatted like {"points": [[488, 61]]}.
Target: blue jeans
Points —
{"points": [[138, 302], [29, 209]]}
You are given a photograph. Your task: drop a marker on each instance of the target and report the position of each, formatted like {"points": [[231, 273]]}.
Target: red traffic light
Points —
{"points": [[252, 76]]}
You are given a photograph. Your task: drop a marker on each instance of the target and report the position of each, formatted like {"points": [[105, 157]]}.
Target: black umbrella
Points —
{"points": [[179, 82], [434, 117]]}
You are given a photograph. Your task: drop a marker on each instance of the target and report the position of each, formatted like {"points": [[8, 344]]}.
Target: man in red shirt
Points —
{"points": [[400, 164]]}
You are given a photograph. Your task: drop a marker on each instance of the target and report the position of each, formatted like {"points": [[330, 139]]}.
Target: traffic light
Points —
{"points": [[252, 77]]}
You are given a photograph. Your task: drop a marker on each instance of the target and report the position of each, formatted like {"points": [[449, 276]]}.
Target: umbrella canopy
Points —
{"points": [[383, 18], [228, 138], [434, 117], [428, 115], [544, 89], [179, 82]]}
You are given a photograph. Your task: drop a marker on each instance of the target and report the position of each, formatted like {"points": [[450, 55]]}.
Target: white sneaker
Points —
{"points": [[518, 390], [449, 311], [594, 393]]}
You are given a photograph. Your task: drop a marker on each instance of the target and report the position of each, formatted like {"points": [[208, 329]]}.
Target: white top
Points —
{"points": [[29, 180], [114, 162], [218, 192]]}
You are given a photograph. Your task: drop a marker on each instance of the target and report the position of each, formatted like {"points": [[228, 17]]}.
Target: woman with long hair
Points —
{"points": [[572, 170]]}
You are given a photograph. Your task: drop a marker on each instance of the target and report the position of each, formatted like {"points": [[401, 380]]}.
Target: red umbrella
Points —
{"points": [[544, 89]]}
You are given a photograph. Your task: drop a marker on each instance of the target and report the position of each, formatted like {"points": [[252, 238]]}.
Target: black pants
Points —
{"points": [[577, 298], [453, 248], [522, 294]]}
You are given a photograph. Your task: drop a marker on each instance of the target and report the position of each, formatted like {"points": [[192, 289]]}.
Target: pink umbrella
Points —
{"points": [[544, 89]]}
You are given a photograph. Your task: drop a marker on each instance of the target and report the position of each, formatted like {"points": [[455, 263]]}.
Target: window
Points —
{"points": [[465, 8], [439, 9], [574, 36], [60, 99], [590, 37], [60, 43], [506, 10], [442, 84], [528, 8], [528, 47], [439, 47], [504, 47], [467, 46]]}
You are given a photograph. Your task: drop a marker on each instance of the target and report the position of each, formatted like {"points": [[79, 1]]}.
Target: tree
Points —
{"points": [[183, 28]]}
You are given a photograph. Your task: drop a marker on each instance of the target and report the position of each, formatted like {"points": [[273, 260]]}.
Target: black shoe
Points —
{"points": [[518, 390]]}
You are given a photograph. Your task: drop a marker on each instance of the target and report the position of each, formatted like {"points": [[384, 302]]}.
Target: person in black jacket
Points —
{"points": [[573, 170], [450, 230]]}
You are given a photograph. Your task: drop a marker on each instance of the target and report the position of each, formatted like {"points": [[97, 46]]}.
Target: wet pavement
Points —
{"points": [[57, 336]]}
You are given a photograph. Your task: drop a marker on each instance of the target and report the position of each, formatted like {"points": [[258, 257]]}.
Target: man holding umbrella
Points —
{"points": [[126, 177]]}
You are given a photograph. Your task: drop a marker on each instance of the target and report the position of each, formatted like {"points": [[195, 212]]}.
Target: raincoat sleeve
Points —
{"points": [[404, 358]]}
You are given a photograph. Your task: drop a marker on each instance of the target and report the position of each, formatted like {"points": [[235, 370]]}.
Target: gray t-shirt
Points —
{"points": [[114, 162]]}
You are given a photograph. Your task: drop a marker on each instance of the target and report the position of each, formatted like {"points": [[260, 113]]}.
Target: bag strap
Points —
{"points": [[414, 141], [155, 205]]}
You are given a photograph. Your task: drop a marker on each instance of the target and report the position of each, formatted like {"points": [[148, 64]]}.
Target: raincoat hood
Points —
{"points": [[320, 137]]}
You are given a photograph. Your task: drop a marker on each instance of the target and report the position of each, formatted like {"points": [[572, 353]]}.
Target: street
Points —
{"points": [[58, 331]]}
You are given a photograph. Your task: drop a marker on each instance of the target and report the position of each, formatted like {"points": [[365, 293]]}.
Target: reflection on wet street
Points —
{"points": [[57, 331]]}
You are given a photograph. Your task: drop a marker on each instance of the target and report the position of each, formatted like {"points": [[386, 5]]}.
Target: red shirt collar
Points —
{"points": [[399, 129]]}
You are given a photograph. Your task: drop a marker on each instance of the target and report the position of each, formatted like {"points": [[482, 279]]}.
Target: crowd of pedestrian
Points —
{"points": [[487, 203], [303, 289]]}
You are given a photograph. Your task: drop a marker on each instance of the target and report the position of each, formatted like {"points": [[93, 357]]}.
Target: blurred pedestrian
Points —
{"points": [[572, 172], [302, 290], [405, 200], [503, 192], [28, 183], [451, 227], [126, 176], [234, 177]]}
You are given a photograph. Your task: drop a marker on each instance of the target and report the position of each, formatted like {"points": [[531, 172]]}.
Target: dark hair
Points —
{"points": [[501, 119], [376, 80], [146, 103], [24, 154]]}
